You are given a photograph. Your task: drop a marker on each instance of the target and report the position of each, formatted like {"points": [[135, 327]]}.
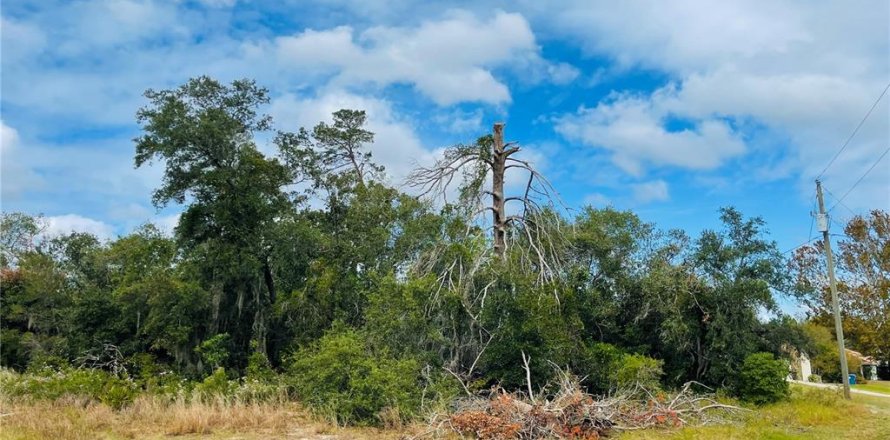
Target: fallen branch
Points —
{"points": [[571, 413]]}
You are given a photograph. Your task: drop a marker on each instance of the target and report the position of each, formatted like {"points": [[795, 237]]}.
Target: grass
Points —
{"points": [[877, 386], [809, 414], [150, 418]]}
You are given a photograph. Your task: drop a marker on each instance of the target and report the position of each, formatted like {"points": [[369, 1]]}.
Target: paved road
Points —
{"points": [[834, 386]]}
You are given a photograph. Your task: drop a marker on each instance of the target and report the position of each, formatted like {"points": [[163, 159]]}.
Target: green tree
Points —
{"points": [[863, 282], [203, 132]]}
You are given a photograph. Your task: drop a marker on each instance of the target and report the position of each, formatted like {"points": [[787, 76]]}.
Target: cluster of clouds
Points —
{"points": [[752, 90], [783, 80]]}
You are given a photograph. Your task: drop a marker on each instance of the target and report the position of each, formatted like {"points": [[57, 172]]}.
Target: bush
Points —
{"points": [[53, 384], [815, 378], [216, 385], [633, 369], [340, 378], [609, 368], [215, 351], [762, 379]]}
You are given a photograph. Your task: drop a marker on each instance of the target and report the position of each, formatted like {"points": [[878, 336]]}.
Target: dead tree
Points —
{"points": [[534, 230], [522, 229]]}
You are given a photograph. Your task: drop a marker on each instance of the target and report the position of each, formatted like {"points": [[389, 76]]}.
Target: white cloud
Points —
{"points": [[449, 60], [20, 40], [459, 122], [634, 130], [680, 36], [15, 177], [68, 223], [794, 78], [167, 223], [655, 191]]}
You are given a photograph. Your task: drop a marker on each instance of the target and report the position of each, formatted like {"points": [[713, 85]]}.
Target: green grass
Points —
{"points": [[877, 386], [809, 414]]}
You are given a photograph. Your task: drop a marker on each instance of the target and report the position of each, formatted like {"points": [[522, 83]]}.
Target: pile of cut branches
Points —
{"points": [[571, 413]]}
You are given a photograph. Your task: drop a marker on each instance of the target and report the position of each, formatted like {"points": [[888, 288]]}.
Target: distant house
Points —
{"points": [[868, 368], [800, 367]]}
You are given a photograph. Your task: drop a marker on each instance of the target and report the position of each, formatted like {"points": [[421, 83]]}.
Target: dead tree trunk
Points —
{"points": [[535, 228], [498, 204]]}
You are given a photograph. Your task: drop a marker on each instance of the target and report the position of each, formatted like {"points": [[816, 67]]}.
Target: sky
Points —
{"points": [[672, 109]]}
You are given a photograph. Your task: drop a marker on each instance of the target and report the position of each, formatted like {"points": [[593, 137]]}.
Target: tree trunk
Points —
{"points": [[498, 169], [270, 282]]}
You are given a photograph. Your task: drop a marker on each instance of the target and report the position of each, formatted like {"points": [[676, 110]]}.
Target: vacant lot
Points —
{"points": [[810, 414], [149, 419]]}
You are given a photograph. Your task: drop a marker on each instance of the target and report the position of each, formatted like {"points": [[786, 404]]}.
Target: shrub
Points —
{"points": [[815, 378], [632, 369], [52, 384], [608, 368], [216, 385], [762, 379], [340, 378], [258, 368], [215, 351], [600, 361]]}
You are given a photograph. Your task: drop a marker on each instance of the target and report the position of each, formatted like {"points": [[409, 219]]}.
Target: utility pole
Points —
{"points": [[822, 220]]}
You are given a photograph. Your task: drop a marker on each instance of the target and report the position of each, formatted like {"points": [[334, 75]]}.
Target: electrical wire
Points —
{"points": [[861, 178], [801, 245], [844, 146], [839, 201]]}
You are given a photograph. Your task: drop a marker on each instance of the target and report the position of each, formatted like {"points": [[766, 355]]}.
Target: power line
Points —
{"points": [[838, 201], [861, 178], [843, 147], [800, 245]]}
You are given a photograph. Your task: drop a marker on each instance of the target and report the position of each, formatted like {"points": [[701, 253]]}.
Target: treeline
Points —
{"points": [[306, 262]]}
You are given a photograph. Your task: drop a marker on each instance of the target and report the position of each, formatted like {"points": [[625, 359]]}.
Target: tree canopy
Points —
{"points": [[304, 245]]}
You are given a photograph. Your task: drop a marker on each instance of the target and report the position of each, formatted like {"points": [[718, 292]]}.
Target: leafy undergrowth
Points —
{"points": [[151, 418], [809, 414]]}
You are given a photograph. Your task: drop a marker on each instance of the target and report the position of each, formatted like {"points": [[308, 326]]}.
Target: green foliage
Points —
{"points": [[257, 280], [633, 369], [52, 384], [761, 379], [601, 361], [341, 378], [609, 368], [258, 368], [215, 350], [217, 384], [824, 354], [534, 322]]}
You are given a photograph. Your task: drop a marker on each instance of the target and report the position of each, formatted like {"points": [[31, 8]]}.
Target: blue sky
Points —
{"points": [[672, 109]]}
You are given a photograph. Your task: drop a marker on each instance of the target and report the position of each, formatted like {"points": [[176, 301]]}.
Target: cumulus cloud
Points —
{"points": [[635, 131], [789, 80], [68, 223], [15, 177], [449, 60]]}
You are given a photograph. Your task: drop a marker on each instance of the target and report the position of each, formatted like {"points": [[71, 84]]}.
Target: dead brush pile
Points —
{"points": [[574, 414]]}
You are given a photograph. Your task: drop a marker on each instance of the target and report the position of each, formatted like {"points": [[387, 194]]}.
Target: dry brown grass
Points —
{"points": [[149, 418]]}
